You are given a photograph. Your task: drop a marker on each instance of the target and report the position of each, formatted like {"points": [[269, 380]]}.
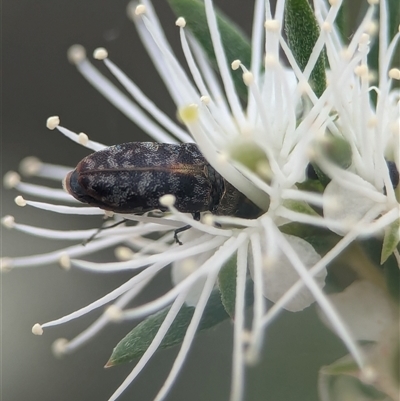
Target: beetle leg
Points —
{"points": [[100, 229], [196, 216], [179, 230]]}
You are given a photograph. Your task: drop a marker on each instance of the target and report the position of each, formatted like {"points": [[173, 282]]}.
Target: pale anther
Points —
{"points": [[83, 139], [361, 71], [394, 73], [208, 219], [181, 22], [131, 10], [246, 337], [100, 53], [123, 253], [372, 77], [222, 158], [108, 213], [364, 39], [205, 99], [248, 78], [333, 3], [167, 200], [189, 266], [59, 346], [6, 264], [8, 221], [76, 54], [235, 64], [20, 201], [372, 28], [65, 261], [326, 26], [30, 165], [373, 2], [37, 329], [369, 374], [11, 179], [270, 60], [272, 25], [113, 313], [189, 114], [140, 9], [53, 122]]}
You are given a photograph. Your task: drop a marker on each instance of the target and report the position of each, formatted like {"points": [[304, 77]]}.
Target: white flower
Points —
{"points": [[283, 129], [366, 308], [278, 273], [372, 131]]}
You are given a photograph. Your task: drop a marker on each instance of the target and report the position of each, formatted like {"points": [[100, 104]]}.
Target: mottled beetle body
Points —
{"points": [[131, 178]]}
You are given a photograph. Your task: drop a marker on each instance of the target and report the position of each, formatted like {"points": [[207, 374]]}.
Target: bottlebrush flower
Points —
{"points": [[263, 146]]}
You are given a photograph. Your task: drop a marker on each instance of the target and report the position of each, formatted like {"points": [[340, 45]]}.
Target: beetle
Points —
{"points": [[131, 177]]}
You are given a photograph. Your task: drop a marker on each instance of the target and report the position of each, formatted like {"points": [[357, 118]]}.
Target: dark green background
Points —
{"points": [[39, 82]]}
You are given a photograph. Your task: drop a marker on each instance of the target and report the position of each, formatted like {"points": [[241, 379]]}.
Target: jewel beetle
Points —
{"points": [[131, 178]]}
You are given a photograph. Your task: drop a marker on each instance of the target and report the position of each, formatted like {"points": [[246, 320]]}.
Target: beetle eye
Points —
{"points": [[73, 187]]}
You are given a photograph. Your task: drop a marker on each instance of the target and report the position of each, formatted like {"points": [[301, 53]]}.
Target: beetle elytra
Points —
{"points": [[131, 178]]}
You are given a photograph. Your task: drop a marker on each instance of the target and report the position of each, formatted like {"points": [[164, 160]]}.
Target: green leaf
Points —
{"points": [[312, 185], [340, 381], [321, 239], [335, 149], [234, 40], [227, 286], [392, 277], [299, 207], [390, 240], [302, 32], [322, 178], [343, 366], [393, 14], [136, 342], [343, 380], [342, 387], [250, 154], [394, 19], [343, 20]]}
